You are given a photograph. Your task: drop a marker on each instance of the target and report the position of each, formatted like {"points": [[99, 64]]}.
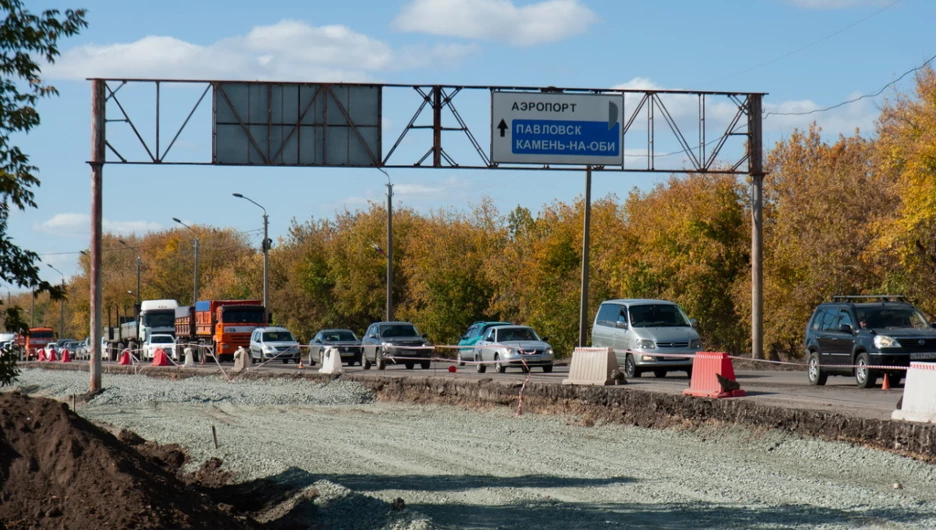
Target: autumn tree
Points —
{"points": [[25, 38], [906, 147]]}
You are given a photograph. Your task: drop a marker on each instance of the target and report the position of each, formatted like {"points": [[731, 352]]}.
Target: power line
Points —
{"points": [[859, 98], [823, 39]]}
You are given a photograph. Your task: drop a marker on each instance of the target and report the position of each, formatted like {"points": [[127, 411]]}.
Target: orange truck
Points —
{"points": [[221, 324], [37, 339]]}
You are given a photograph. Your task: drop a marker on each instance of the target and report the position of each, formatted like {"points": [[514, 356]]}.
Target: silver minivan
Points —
{"points": [[267, 344], [642, 333]]}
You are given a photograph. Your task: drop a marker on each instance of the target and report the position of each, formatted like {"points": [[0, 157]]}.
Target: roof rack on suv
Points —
{"points": [[869, 297]]}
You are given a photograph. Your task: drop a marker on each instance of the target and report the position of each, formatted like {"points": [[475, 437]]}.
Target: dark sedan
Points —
{"points": [[349, 346]]}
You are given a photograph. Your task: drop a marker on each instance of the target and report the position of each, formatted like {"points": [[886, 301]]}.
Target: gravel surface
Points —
{"points": [[461, 469]]}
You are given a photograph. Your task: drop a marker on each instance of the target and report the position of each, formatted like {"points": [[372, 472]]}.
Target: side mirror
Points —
{"points": [[545, 339], [620, 324], [845, 328], [693, 322], [372, 336]]}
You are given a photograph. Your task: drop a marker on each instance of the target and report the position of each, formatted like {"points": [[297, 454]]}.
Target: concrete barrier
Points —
{"points": [[919, 397], [593, 366], [331, 361]]}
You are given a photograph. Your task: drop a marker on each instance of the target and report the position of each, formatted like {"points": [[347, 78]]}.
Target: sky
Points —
{"points": [[806, 55]]}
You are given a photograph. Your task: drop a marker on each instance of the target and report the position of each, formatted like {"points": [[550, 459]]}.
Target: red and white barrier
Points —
{"points": [[919, 398]]}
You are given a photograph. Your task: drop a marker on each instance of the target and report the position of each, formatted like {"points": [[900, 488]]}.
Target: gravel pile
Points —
{"points": [[137, 389], [462, 469]]}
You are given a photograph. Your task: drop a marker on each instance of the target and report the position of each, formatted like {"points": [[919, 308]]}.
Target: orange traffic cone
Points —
{"points": [[300, 363], [124, 358], [886, 384], [66, 358]]}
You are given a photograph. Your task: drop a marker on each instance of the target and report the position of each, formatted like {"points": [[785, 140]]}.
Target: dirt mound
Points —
{"points": [[58, 470]]}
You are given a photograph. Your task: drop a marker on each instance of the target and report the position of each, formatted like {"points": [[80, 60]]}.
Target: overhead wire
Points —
{"points": [[859, 98]]}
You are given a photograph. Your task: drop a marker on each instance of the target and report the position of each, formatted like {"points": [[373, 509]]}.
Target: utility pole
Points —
{"points": [[62, 309], [266, 253], [98, 121], [586, 239], [389, 250], [756, 169]]}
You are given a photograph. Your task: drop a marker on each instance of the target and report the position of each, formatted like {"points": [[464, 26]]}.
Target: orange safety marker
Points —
{"points": [[66, 358], [713, 376], [159, 358], [124, 357], [886, 384]]}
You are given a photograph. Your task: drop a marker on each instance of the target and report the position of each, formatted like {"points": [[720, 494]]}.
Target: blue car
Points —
{"points": [[471, 338]]}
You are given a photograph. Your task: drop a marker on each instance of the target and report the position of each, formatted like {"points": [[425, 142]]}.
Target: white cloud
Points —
{"points": [[289, 50], [497, 20], [836, 4], [79, 224]]}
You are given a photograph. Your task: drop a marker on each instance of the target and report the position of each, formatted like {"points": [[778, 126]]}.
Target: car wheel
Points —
{"points": [[630, 369], [481, 368], [381, 362], [498, 365], [425, 364], [864, 376], [547, 369], [659, 374], [816, 376], [410, 365], [365, 362]]}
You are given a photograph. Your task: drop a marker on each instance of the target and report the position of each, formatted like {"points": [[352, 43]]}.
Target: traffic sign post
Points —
{"points": [[555, 128]]}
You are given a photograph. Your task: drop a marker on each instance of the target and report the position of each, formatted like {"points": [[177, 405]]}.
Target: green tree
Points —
{"points": [[24, 39]]}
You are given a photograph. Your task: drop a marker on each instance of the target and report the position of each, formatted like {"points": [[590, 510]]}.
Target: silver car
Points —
{"points": [[386, 341], [273, 343], [647, 336], [513, 346], [349, 346]]}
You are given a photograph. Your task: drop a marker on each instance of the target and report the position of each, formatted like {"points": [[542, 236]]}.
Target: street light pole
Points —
{"points": [[138, 262], [266, 254], [195, 293], [62, 323]]}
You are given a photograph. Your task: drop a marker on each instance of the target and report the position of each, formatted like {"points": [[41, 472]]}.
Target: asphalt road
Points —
{"points": [[770, 387]]}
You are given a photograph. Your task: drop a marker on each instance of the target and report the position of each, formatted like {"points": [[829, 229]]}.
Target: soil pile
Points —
{"points": [[58, 470]]}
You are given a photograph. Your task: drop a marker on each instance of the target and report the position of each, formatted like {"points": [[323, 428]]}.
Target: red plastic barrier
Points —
{"points": [[41, 353], [52, 356], [124, 357], [705, 371], [66, 357], [160, 359]]}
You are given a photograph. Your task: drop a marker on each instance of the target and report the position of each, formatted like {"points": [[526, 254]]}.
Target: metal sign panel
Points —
{"points": [[555, 128], [296, 124]]}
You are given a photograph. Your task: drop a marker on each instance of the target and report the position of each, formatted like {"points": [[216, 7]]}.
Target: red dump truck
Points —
{"points": [[220, 324], [37, 339]]}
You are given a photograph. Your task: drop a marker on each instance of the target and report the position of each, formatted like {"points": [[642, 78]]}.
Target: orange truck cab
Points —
{"points": [[221, 324], [38, 338]]}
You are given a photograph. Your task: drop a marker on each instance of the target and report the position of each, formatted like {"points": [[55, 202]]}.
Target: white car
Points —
{"points": [[267, 344], [157, 341]]}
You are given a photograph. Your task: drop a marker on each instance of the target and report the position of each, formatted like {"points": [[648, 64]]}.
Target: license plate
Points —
{"points": [[672, 358], [922, 356]]}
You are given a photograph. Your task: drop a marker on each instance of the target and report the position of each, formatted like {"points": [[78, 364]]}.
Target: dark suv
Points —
{"points": [[854, 335]]}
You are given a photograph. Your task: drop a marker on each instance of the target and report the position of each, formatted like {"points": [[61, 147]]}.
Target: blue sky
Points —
{"points": [[806, 54]]}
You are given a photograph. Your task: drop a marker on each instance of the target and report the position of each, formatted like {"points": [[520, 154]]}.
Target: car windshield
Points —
{"points": [[891, 318], [509, 334], [398, 330], [235, 315], [341, 335], [41, 334], [161, 340], [656, 316], [277, 336]]}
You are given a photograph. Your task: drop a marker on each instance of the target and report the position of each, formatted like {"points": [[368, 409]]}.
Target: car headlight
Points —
{"points": [[645, 344], [269, 349], [696, 343], [510, 351], [884, 341], [385, 346], [548, 351]]}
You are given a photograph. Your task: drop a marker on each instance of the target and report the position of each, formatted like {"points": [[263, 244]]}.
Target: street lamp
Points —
{"points": [[138, 261], [195, 294], [389, 246], [62, 324], [266, 253]]}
